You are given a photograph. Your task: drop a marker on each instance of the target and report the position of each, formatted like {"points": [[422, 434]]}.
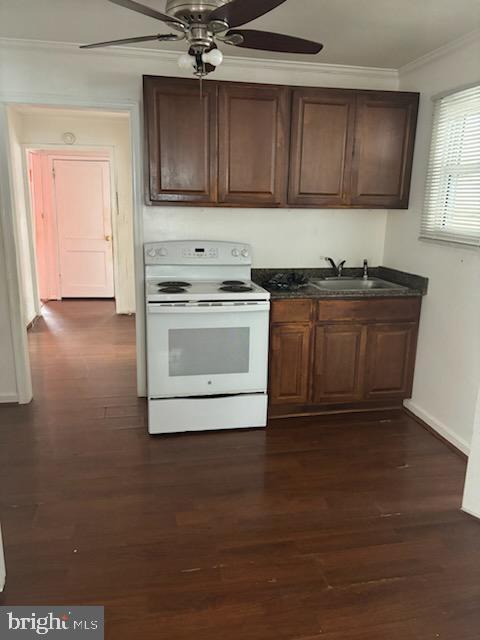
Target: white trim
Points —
{"points": [[19, 334], [136, 128], [450, 243], [8, 398], [450, 92], [441, 52], [244, 62], [439, 427], [12, 266], [471, 513], [32, 253], [3, 573], [234, 62]]}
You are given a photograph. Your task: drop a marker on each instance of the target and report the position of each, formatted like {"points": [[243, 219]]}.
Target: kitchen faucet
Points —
{"points": [[365, 269], [338, 268]]}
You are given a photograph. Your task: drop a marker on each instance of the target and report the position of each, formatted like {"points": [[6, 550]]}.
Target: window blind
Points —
{"points": [[452, 199]]}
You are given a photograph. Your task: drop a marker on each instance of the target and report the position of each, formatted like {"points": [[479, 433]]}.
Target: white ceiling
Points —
{"points": [[376, 33]]}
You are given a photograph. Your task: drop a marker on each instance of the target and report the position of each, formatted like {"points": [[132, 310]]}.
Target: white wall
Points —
{"points": [[280, 238], [22, 219], [96, 131], [447, 376]]}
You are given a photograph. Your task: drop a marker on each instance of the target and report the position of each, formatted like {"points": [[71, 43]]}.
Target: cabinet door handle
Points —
{"points": [[108, 238]]}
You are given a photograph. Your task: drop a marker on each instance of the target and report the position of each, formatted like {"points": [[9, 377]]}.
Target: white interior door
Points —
{"points": [[83, 208]]}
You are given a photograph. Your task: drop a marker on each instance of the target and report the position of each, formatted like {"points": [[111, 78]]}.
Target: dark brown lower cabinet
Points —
{"points": [[390, 360], [342, 354], [338, 359], [289, 363]]}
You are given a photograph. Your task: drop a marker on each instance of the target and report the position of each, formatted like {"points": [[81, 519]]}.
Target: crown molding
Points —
{"points": [[234, 62], [441, 52], [237, 62]]}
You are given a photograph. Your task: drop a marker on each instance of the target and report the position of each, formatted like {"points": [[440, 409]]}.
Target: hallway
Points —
{"points": [[80, 350], [339, 528]]}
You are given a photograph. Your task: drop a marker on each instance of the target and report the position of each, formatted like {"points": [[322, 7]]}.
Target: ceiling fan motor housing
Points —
{"points": [[202, 22], [195, 11]]}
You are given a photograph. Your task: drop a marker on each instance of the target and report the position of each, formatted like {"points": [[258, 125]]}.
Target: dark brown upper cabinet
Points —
{"points": [[252, 145], [253, 129], [385, 128], [321, 147], [181, 141]]}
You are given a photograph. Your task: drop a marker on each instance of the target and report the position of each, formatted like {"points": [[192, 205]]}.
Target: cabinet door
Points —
{"points": [[289, 363], [321, 149], [181, 141], [338, 363], [383, 149], [390, 360], [253, 142]]}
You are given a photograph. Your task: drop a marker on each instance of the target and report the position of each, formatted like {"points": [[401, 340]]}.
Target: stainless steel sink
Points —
{"points": [[355, 284]]}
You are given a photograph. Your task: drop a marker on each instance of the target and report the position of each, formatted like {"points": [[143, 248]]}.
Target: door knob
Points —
{"points": [[108, 238]]}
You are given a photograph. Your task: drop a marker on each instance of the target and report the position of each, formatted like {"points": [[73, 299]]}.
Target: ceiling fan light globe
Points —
{"points": [[214, 57], [186, 62]]}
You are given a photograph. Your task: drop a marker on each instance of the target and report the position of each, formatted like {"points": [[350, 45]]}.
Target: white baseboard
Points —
{"points": [[124, 312], [8, 397], [439, 427], [471, 513]]}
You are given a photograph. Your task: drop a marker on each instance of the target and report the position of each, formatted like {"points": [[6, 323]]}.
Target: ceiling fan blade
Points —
{"points": [[110, 43], [267, 41], [147, 11], [238, 12]]}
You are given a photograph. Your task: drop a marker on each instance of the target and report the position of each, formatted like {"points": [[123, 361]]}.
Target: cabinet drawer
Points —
{"points": [[291, 311], [373, 310]]}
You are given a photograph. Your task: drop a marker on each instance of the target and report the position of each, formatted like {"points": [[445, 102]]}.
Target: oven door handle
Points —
{"points": [[196, 308]]}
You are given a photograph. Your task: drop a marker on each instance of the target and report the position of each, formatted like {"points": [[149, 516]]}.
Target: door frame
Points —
{"points": [[50, 155], [7, 229]]}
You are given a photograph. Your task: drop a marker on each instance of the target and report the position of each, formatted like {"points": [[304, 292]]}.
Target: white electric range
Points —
{"points": [[207, 337]]}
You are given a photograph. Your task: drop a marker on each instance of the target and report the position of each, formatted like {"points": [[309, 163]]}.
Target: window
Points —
{"points": [[452, 199]]}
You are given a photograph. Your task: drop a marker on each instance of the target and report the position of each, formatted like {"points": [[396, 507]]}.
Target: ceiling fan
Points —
{"points": [[204, 22]]}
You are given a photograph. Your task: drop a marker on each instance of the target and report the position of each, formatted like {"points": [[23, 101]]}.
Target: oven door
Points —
{"points": [[200, 349]]}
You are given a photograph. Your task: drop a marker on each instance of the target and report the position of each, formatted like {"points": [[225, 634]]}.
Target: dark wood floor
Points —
{"points": [[341, 528]]}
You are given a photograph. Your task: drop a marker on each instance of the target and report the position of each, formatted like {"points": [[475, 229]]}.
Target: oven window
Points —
{"points": [[197, 352]]}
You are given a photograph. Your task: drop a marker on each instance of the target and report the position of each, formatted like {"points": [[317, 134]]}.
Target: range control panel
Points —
{"points": [[196, 251], [200, 252]]}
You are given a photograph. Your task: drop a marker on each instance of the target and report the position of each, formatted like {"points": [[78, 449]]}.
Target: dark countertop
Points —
{"points": [[415, 285]]}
